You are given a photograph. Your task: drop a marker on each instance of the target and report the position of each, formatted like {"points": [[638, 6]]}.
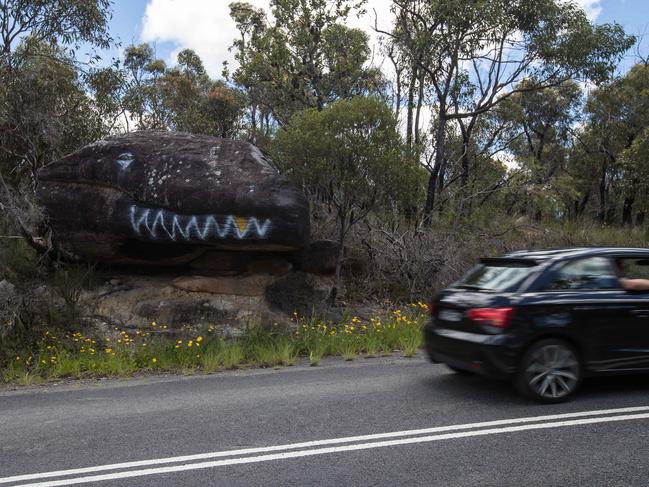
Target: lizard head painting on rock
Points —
{"points": [[167, 197]]}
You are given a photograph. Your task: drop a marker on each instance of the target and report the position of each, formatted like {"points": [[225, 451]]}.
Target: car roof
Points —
{"points": [[568, 253]]}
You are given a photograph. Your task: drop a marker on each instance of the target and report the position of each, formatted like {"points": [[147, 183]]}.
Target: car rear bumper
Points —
{"points": [[489, 355]]}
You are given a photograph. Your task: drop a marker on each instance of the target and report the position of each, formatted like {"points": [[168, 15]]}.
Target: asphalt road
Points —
{"points": [[279, 418]]}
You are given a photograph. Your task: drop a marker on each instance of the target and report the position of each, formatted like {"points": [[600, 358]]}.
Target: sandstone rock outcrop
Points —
{"points": [[232, 234], [254, 285], [226, 303], [165, 198]]}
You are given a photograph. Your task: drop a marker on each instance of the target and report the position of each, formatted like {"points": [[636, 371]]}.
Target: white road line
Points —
{"points": [[335, 449], [315, 443]]}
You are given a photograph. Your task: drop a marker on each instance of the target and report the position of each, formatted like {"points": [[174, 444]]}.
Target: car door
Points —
{"points": [[627, 343], [618, 331], [583, 297]]}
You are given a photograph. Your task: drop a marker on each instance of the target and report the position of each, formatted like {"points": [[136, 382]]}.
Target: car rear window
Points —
{"points": [[497, 275]]}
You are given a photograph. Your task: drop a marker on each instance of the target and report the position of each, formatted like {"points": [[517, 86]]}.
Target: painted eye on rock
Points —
{"points": [[124, 160]]}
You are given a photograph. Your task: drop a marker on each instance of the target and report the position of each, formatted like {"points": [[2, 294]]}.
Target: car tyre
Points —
{"points": [[549, 372]]}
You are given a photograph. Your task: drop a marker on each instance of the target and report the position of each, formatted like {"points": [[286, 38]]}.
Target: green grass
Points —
{"points": [[76, 355], [232, 356]]}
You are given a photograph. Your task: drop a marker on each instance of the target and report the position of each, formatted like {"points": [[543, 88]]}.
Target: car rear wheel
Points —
{"points": [[549, 371]]}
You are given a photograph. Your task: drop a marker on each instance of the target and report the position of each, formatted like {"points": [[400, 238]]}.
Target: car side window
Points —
{"points": [[594, 273], [633, 268]]}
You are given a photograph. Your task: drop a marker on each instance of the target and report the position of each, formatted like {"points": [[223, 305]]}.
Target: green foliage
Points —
{"points": [[57, 307], [541, 123], [62, 22], [182, 97], [18, 262], [45, 111], [305, 58], [351, 152], [611, 151], [68, 283], [474, 55]]}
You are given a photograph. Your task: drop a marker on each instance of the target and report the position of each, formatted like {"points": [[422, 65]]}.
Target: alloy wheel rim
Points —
{"points": [[553, 371]]}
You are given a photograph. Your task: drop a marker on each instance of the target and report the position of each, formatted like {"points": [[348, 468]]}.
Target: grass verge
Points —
{"points": [[76, 355]]}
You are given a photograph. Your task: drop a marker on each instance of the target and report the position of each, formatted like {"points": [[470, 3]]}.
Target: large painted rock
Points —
{"points": [[168, 197]]}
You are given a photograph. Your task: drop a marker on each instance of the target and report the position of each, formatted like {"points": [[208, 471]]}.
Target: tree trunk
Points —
{"points": [[581, 204], [601, 215], [411, 107], [440, 140], [420, 102], [339, 264], [440, 186], [464, 177], [627, 210]]}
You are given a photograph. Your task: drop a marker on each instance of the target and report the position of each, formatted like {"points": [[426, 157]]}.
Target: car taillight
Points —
{"points": [[432, 307], [497, 317]]}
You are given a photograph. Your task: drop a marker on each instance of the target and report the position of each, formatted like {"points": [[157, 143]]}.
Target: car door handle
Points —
{"points": [[640, 313]]}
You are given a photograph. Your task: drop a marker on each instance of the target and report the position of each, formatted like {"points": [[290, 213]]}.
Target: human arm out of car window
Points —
{"points": [[635, 284]]}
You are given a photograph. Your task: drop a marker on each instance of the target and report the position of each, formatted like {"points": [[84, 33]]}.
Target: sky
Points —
{"points": [[205, 26]]}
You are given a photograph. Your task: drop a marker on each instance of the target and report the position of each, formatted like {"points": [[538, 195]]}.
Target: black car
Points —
{"points": [[546, 319]]}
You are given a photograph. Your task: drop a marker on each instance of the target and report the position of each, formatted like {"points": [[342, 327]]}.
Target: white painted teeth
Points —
{"points": [[159, 224]]}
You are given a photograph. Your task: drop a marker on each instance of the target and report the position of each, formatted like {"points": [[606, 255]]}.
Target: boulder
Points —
{"points": [[144, 299], [165, 198], [273, 267], [320, 257], [236, 286], [222, 263]]}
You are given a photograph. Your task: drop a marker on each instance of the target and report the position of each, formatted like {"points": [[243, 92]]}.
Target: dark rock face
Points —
{"points": [[320, 257], [300, 292], [165, 198]]}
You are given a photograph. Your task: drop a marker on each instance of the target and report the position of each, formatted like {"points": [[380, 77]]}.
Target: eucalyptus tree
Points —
{"points": [[65, 23], [352, 152], [475, 54], [44, 110], [306, 57], [615, 139], [543, 122], [37, 41], [198, 104], [182, 97]]}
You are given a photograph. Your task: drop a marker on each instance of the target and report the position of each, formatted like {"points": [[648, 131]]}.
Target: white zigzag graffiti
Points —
{"points": [[156, 224]]}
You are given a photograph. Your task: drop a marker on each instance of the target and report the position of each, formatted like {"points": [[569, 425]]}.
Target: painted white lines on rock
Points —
{"points": [[323, 447], [159, 224]]}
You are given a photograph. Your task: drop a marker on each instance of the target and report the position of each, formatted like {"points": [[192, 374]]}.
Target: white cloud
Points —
{"points": [[206, 27], [591, 7], [202, 25]]}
